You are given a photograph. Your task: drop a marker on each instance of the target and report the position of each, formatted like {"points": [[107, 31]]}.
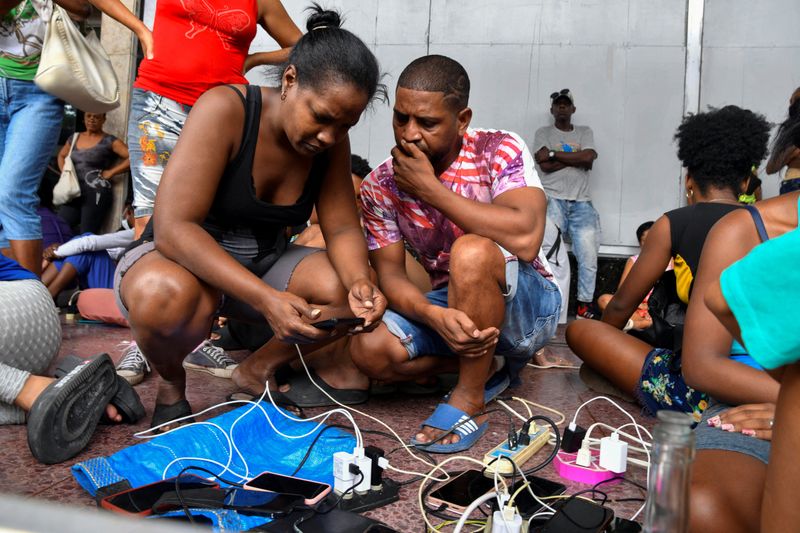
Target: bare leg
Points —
{"points": [[172, 313], [62, 279], [477, 273], [28, 254], [602, 301], [780, 510], [726, 491], [49, 273], [609, 351]]}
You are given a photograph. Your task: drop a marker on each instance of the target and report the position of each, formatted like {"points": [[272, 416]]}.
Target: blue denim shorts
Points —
{"points": [[531, 318], [153, 129], [711, 438]]}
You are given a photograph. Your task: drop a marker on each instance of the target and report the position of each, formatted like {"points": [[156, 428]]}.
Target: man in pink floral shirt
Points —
{"points": [[470, 206]]}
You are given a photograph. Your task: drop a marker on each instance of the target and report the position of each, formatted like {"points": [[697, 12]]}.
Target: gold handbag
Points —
{"points": [[76, 68], [67, 188]]}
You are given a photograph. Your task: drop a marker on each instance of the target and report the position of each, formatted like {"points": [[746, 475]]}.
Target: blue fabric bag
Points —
{"points": [[262, 447]]}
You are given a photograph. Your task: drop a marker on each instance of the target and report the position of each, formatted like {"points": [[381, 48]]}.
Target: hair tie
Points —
{"points": [[320, 28]]}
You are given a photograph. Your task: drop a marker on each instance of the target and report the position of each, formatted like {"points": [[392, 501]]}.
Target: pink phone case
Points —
{"points": [[312, 501]]}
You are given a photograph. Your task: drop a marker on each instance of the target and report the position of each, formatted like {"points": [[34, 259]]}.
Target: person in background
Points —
{"points": [[718, 148], [785, 152], [30, 120], [565, 154], [641, 317], [97, 157]]}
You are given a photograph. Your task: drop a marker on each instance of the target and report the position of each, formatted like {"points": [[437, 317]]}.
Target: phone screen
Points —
{"points": [[464, 489], [257, 502], [288, 485], [526, 504], [143, 498], [579, 516]]}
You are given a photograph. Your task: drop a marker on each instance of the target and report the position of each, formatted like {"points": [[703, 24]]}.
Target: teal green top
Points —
{"points": [[763, 290]]}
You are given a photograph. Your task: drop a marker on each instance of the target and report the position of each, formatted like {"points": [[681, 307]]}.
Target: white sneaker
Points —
{"points": [[133, 366], [210, 359]]}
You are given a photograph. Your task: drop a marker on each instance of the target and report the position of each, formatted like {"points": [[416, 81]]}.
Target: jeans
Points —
{"points": [[580, 221], [790, 185], [30, 120], [154, 126], [531, 318]]}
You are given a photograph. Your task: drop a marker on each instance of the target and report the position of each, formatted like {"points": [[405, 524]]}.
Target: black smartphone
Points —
{"points": [[462, 490], [526, 504], [577, 515], [140, 500], [258, 503], [311, 491], [333, 323]]}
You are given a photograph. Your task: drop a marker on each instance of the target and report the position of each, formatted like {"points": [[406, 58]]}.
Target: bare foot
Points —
{"points": [[546, 358], [470, 404]]}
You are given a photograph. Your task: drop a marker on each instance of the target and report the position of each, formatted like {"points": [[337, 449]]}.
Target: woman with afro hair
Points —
{"points": [[718, 149]]}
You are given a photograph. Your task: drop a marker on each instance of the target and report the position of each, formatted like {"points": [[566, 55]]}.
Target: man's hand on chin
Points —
{"points": [[413, 172]]}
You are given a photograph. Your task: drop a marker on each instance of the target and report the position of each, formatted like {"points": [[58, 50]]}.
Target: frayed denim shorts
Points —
{"points": [[533, 305]]}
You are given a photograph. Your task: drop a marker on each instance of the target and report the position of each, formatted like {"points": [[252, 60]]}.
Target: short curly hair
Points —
{"points": [[720, 146]]}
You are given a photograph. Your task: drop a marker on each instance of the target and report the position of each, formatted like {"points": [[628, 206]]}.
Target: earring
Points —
{"points": [[689, 194], [283, 97]]}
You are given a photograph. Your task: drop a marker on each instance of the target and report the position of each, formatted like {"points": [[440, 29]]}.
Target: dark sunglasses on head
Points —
{"points": [[562, 92]]}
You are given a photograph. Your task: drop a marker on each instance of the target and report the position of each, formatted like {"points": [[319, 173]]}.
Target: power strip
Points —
{"points": [[539, 435]]}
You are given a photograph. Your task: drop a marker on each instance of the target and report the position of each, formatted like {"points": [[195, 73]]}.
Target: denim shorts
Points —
{"points": [[30, 120], [153, 129], [531, 317], [711, 438], [661, 386]]}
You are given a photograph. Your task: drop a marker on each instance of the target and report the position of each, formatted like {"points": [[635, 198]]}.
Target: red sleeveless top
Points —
{"points": [[198, 44]]}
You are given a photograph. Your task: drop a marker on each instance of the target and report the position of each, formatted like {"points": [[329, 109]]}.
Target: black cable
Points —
{"points": [[554, 452], [296, 525], [178, 487], [311, 446]]}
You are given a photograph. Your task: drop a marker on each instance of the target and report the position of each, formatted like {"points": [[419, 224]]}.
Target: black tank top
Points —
{"points": [[249, 229]]}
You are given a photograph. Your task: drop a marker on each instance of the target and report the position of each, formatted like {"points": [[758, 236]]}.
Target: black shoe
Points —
{"points": [[64, 416]]}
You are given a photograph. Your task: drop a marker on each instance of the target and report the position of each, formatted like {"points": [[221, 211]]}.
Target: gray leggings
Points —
{"points": [[30, 335]]}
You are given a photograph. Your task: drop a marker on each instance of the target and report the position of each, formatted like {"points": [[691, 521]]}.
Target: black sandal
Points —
{"points": [[164, 413], [126, 400], [64, 416]]}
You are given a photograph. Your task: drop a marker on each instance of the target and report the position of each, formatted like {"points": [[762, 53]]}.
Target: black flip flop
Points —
{"points": [[126, 400], [303, 393], [64, 416], [164, 413]]}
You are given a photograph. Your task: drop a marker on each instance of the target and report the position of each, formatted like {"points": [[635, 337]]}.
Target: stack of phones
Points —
{"points": [[268, 494], [470, 485]]}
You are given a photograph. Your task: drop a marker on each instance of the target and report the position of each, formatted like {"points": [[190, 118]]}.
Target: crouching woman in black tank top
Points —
{"points": [[250, 162]]}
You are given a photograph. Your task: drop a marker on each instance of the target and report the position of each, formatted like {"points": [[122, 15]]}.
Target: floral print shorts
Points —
{"points": [[661, 386]]}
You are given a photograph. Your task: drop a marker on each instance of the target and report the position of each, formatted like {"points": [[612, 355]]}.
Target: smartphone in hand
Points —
{"points": [[335, 323]]}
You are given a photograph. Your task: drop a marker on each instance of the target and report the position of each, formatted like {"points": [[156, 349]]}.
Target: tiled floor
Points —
{"points": [[560, 389]]}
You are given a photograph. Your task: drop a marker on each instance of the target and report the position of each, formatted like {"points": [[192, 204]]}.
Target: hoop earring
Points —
{"points": [[283, 97], [689, 194]]}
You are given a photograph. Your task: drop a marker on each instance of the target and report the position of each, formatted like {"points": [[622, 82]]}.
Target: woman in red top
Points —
{"points": [[195, 45]]}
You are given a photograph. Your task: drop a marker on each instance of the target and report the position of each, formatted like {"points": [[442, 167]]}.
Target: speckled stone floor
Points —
{"points": [[561, 389]]}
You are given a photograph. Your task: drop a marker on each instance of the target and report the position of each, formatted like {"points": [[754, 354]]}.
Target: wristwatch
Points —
{"points": [[551, 155]]}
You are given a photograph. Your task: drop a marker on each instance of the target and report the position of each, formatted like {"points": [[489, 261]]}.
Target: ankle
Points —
{"points": [[31, 390]]}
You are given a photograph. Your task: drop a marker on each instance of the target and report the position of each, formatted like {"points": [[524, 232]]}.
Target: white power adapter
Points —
{"points": [[344, 477], [614, 454], [506, 520]]}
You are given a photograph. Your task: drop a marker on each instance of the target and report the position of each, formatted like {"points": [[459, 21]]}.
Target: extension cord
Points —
{"points": [[539, 435]]}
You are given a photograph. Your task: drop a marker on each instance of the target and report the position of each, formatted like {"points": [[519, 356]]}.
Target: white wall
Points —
{"points": [[624, 60], [751, 55]]}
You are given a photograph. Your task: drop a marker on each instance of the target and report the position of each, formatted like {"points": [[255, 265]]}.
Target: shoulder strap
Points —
{"points": [[234, 89], [72, 144], [759, 222]]}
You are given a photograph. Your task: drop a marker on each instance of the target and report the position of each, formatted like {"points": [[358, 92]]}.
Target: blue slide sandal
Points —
{"points": [[446, 417]]}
